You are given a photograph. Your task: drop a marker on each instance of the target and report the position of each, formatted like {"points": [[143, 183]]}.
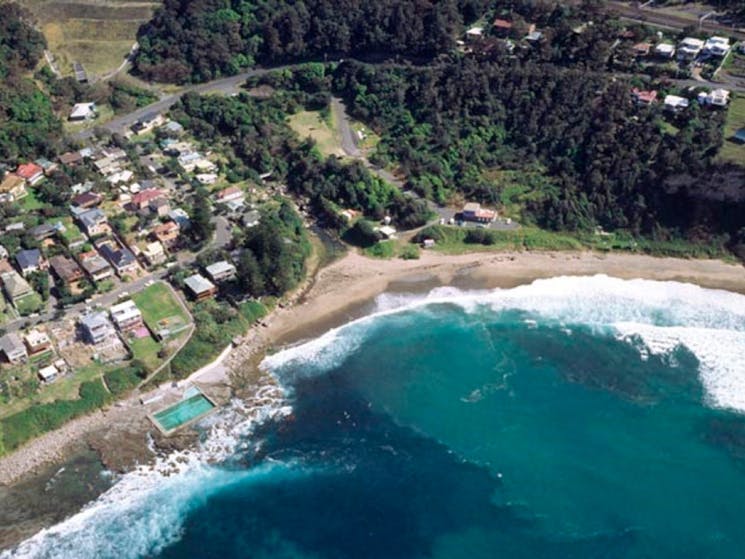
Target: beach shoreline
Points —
{"points": [[336, 294]]}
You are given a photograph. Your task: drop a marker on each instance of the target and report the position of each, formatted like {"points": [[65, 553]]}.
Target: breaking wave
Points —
{"points": [[143, 512], [663, 315]]}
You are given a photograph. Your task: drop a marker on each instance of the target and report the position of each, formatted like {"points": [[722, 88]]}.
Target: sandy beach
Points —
{"points": [[337, 294]]}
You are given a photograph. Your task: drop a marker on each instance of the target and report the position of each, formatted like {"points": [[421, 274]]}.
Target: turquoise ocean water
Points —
{"points": [[575, 417]]}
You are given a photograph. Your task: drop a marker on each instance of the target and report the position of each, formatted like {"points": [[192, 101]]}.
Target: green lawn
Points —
{"points": [[146, 350], [31, 202], [159, 308], [323, 131], [732, 151], [29, 304], [71, 234]]}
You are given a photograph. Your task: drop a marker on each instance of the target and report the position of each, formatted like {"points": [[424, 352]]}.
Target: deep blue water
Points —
{"points": [[449, 431]]}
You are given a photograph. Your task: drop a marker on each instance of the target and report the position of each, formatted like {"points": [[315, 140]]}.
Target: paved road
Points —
{"points": [[227, 86], [650, 15]]}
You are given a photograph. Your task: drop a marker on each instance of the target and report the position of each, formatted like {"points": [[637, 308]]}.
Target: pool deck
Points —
{"points": [[192, 421]]}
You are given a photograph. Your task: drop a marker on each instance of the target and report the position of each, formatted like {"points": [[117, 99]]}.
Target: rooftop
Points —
{"points": [[198, 284]]}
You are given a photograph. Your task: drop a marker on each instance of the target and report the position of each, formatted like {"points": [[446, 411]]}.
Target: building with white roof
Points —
{"points": [[82, 111], [717, 46], [221, 271], [716, 98], [676, 103], [664, 50], [126, 316], [689, 48]]}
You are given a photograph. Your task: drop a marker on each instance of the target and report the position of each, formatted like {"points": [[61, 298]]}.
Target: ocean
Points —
{"points": [[569, 418]]}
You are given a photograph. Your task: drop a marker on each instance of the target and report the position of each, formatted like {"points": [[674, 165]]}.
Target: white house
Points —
{"points": [[83, 111], [717, 46], [689, 48], [676, 103], [664, 50], [716, 98]]}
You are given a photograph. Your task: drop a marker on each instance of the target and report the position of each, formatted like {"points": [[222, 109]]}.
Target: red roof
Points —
{"points": [[502, 24], [29, 170], [228, 192], [145, 196], [166, 227], [644, 96], [485, 214]]}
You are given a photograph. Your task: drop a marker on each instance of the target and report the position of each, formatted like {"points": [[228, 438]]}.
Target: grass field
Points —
{"points": [[732, 151], [29, 304], [146, 350], [97, 33], [64, 388], [159, 308], [322, 130]]}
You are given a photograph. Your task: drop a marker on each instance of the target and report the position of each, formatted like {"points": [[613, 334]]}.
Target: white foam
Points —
{"points": [[710, 323], [144, 511], [721, 356]]}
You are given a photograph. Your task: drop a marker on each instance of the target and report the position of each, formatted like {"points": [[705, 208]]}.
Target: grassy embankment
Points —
{"points": [[98, 34], [732, 151]]}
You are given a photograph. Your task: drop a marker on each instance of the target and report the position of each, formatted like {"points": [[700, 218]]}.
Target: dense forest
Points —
{"points": [[199, 40], [584, 154], [28, 126]]}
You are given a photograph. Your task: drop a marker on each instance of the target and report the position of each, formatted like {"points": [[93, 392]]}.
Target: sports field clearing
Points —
{"points": [[321, 128], [160, 309]]}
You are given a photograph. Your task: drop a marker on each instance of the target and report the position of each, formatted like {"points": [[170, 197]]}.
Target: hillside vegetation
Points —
{"points": [[197, 40]]}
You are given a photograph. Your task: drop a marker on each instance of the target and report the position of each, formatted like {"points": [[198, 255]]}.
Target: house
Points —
{"points": [[45, 231], [47, 166], [173, 128], [474, 212], [87, 200], [96, 328], [221, 271], [502, 27], [142, 199], [37, 342], [188, 160], [642, 49], [386, 231], [3, 253], [12, 348], [30, 261], [95, 266], [31, 173], [664, 50], [180, 217], [82, 111], [534, 36], [716, 98], [200, 287], [66, 269], [717, 46], [12, 188], [126, 316], [207, 178], [71, 158], [229, 194], [15, 286], [689, 48], [147, 123], [166, 233], [48, 374], [120, 177], [160, 206], [93, 222], [154, 253], [475, 34], [643, 97], [675, 103], [122, 259]]}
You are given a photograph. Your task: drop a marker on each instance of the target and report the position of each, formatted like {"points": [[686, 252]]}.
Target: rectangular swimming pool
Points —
{"points": [[184, 412]]}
